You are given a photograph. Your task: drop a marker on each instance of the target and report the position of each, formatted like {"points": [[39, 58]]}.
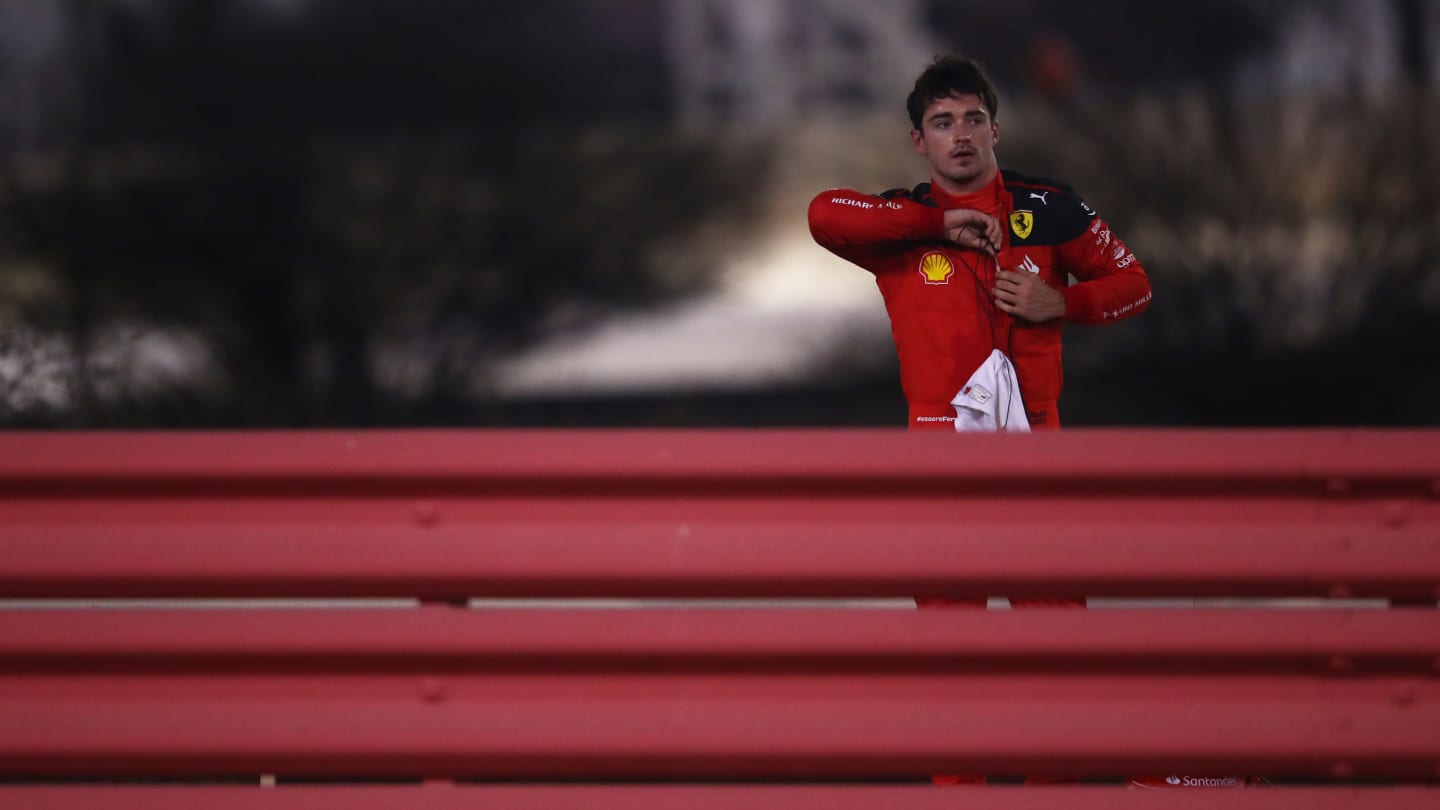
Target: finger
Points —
{"points": [[968, 239], [965, 217], [1005, 306], [1005, 296], [976, 241], [970, 218], [1008, 285]]}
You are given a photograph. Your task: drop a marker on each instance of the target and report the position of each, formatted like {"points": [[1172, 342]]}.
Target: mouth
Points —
{"points": [[962, 153]]}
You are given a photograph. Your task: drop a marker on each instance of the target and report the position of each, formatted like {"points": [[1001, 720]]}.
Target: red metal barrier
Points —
{"points": [[718, 694], [709, 797], [868, 513], [763, 693]]}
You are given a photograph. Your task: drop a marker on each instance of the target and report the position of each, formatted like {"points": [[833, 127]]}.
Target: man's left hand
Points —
{"points": [[1026, 297]]}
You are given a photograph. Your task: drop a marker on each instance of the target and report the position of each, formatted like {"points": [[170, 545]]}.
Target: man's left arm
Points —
{"points": [[1111, 284]]}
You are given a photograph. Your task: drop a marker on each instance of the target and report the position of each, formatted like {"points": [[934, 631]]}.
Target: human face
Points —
{"points": [[958, 138]]}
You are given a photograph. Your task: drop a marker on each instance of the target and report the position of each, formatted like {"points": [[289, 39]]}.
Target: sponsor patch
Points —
{"points": [[1115, 313], [977, 392], [1022, 223], [936, 268]]}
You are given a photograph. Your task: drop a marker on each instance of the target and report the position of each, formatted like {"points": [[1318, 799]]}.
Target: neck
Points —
{"points": [[960, 189]]}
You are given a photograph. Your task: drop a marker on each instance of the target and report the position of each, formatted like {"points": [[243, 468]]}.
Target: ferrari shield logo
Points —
{"points": [[1022, 222]]}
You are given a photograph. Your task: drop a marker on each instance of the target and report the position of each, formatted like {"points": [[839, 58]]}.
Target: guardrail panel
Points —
{"points": [[708, 797]]}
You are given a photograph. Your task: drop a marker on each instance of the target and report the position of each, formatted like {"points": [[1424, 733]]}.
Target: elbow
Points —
{"points": [[822, 219], [1146, 293]]}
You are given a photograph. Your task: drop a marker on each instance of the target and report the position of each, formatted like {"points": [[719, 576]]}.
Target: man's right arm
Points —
{"points": [[857, 226]]}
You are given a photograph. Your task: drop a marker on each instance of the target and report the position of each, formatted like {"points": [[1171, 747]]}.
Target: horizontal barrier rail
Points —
{"points": [[701, 555], [708, 797], [1302, 458], [689, 514], [442, 692], [422, 640], [757, 694], [774, 735]]}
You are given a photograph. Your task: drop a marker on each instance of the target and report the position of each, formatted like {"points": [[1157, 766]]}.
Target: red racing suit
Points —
{"points": [[938, 295]]}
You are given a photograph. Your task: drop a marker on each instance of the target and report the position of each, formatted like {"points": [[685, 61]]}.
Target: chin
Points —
{"points": [[963, 179]]}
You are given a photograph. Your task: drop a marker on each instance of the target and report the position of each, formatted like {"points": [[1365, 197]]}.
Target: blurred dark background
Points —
{"points": [[264, 213]]}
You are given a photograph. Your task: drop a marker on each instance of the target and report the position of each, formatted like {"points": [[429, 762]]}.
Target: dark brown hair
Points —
{"points": [[951, 76]]}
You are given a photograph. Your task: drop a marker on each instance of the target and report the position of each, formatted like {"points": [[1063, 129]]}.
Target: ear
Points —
{"points": [[917, 141], [994, 133]]}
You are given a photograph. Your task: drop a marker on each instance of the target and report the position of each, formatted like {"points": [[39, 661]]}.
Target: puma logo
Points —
{"points": [[1041, 197]]}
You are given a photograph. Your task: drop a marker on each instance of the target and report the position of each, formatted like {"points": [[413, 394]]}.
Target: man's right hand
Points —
{"points": [[973, 229]]}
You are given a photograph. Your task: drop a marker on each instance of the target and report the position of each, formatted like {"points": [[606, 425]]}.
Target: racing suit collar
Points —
{"points": [[989, 199]]}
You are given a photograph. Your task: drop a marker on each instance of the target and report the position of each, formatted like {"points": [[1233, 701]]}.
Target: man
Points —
{"points": [[975, 263], [974, 266]]}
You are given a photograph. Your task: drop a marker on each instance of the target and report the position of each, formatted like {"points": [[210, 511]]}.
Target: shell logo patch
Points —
{"points": [[936, 268], [1022, 223]]}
